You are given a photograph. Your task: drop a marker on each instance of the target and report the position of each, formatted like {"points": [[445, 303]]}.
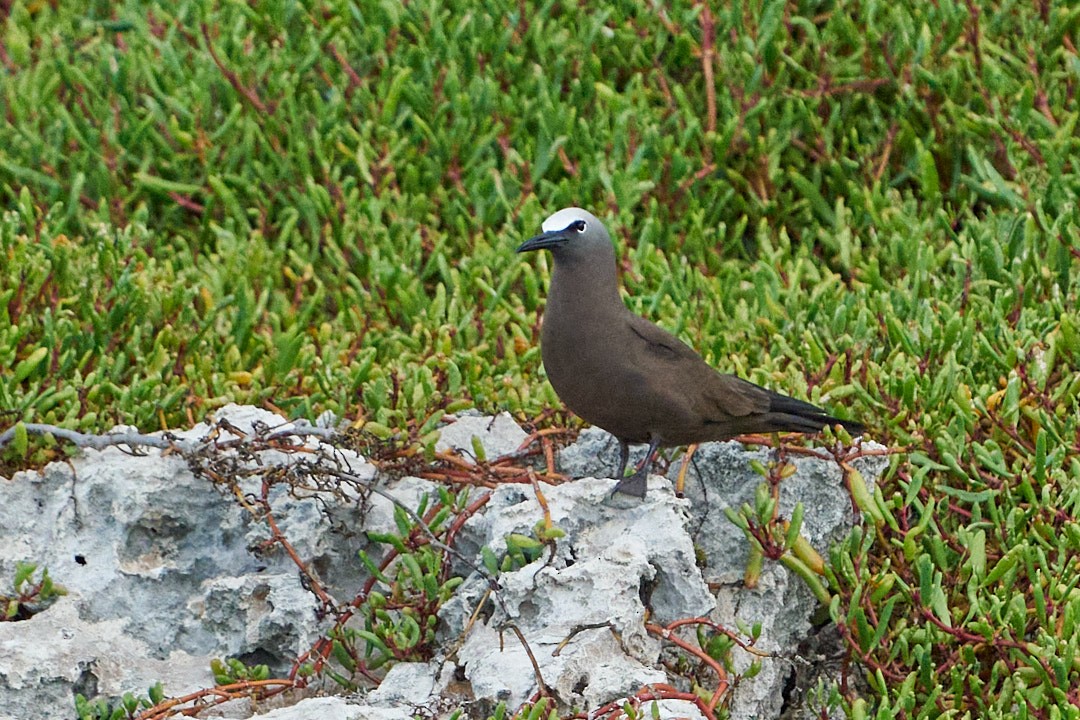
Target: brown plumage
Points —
{"points": [[624, 374]]}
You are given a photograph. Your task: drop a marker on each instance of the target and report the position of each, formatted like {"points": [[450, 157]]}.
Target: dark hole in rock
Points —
{"points": [[645, 591], [258, 656], [22, 612], [86, 684]]}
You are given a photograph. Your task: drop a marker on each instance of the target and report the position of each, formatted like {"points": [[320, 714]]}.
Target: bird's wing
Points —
{"points": [[709, 403], [732, 396], [713, 395], [661, 344]]}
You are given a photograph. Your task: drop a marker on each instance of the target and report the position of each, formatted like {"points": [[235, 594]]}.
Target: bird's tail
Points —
{"points": [[791, 415]]}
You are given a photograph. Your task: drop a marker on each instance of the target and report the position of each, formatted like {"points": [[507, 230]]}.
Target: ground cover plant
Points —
{"points": [[313, 206]]}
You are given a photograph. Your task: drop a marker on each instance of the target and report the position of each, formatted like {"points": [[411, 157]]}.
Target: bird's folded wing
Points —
{"points": [[660, 344], [730, 395], [715, 396]]}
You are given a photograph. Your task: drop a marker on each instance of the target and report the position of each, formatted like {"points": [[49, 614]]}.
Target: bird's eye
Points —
{"points": [[579, 226]]}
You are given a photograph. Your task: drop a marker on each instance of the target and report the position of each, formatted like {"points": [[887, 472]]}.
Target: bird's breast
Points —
{"points": [[592, 373]]}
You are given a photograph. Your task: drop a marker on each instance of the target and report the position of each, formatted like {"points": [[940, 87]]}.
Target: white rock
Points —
{"points": [[594, 578], [498, 435], [164, 571], [333, 708], [159, 568], [411, 684], [673, 710], [46, 659]]}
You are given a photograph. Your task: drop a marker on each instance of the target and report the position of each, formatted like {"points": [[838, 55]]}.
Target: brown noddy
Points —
{"points": [[622, 373]]}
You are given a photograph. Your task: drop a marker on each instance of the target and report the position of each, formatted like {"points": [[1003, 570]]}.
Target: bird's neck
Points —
{"points": [[578, 290]]}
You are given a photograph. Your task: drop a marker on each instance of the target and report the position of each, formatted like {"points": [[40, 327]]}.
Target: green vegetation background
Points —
{"points": [[314, 205]]}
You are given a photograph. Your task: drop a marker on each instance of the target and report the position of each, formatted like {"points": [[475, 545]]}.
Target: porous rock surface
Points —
{"points": [[593, 578], [164, 571]]}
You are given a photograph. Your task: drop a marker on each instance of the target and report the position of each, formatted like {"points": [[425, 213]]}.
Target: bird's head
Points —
{"points": [[572, 233]]}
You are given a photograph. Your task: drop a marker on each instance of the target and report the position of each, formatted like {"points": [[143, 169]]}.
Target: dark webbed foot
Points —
{"points": [[636, 484]]}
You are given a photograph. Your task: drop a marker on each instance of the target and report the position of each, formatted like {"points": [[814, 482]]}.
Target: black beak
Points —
{"points": [[551, 239]]}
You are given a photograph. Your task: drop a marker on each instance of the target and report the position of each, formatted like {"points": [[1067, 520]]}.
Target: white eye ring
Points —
{"points": [[579, 225]]}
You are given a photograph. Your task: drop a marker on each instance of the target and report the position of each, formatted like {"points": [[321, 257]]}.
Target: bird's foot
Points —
{"points": [[635, 485]]}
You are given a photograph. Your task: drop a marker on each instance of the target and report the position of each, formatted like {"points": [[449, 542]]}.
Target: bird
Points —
{"points": [[621, 372]]}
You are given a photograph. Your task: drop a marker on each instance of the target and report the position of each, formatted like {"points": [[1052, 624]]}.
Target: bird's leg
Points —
{"points": [[624, 457], [637, 483]]}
